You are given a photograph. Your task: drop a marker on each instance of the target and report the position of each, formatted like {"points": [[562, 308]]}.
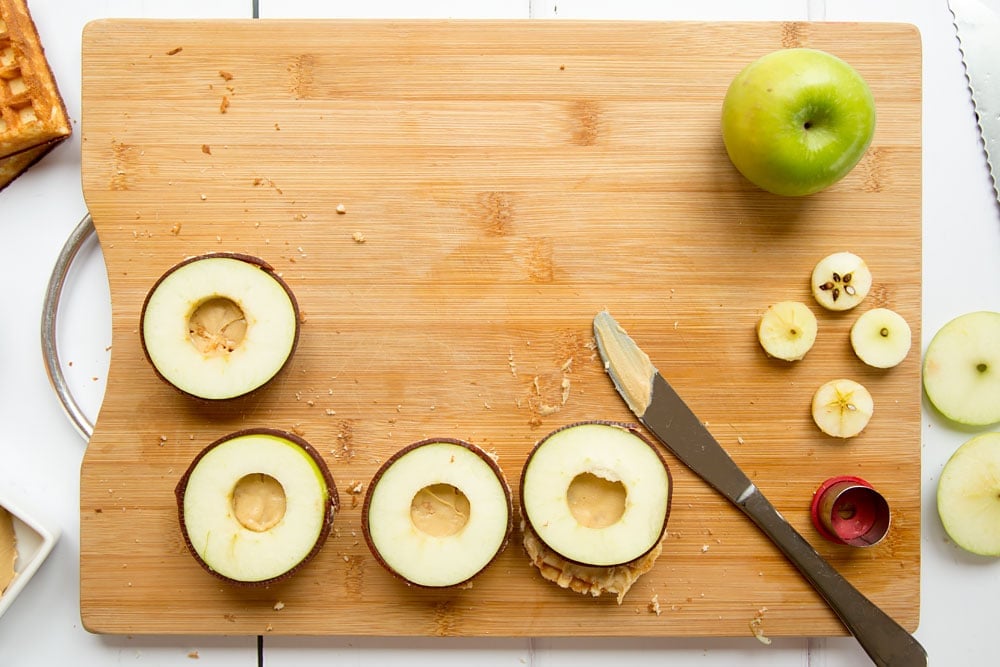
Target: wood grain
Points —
{"points": [[508, 180]]}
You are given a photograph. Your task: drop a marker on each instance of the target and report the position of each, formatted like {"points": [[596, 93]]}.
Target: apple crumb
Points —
{"points": [[193, 655], [176, 229], [704, 548], [756, 627], [279, 605], [654, 604], [341, 209], [358, 237]]}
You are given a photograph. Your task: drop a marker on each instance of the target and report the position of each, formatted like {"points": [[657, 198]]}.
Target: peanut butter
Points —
{"points": [[8, 549]]}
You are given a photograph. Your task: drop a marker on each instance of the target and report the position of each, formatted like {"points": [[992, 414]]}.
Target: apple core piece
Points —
{"points": [[219, 326], [256, 505], [787, 330], [437, 513], [842, 408]]}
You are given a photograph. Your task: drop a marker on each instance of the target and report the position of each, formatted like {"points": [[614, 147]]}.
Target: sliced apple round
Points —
{"points": [[437, 513], [961, 371], [256, 505], [596, 493], [968, 495], [219, 326]]}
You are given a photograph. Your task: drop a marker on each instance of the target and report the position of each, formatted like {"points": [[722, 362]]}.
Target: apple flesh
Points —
{"points": [[968, 495], [596, 493], [437, 513], [256, 505], [796, 121], [961, 370], [219, 326]]}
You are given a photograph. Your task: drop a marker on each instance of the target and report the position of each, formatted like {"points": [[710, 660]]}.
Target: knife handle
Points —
{"points": [[886, 642]]}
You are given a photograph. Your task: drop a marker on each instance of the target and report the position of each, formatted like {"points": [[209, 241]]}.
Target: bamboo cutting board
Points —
{"points": [[500, 183]]}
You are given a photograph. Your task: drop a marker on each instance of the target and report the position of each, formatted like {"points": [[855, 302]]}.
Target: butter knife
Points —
{"points": [[661, 410]]}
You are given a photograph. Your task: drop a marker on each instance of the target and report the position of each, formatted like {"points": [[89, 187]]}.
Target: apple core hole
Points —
{"points": [[883, 332], [596, 502], [258, 502], [217, 326], [440, 510], [807, 125], [982, 367]]}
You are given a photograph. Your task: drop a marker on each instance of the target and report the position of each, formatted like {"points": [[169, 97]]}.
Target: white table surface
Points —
{"points": [[41, 452]]}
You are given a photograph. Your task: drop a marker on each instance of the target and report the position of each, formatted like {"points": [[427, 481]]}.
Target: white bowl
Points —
{"points": [[34, 542]]}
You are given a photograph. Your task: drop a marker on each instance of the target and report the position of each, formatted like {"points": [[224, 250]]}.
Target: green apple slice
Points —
{"points": [[256, 505], [437, 513], [968, 495], [961, 370], [596, 493], [219, 326]]}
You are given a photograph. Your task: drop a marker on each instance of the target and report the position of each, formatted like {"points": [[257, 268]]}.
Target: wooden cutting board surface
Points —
{"points": [[501, 182]]}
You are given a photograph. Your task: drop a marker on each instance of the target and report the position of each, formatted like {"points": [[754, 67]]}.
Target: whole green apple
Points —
{"points": [[796, 121]]}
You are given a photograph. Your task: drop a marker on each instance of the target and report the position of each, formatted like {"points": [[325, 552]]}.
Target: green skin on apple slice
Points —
{"points": [[796, 121], [415, 528], [219, 536], [968, 495], [596, 458], [961, 371], [251, 287]]}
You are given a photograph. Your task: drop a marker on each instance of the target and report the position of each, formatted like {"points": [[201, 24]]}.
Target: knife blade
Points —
{"points": [[977, 23], [665, 414]]}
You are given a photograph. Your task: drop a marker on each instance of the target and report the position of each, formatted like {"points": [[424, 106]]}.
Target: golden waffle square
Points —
{"points": [[33, 117]]}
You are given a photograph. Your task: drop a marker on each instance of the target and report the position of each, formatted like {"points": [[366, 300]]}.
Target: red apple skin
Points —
{"points": [[332, 504], [634, 430], [249, 259], [399, 454]]}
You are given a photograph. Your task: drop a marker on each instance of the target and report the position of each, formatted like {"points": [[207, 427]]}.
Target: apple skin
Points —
{"points": [[332, 503], [796, 121]]}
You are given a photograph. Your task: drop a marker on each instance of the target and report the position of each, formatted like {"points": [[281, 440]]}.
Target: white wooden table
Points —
{"points": [[41, 453]]}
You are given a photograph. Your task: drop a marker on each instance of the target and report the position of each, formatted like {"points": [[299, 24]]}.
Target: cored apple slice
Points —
{"points": [[437, 513], [961, 370], [968, 495], [256, 505], [596, 493], [219, 326]]}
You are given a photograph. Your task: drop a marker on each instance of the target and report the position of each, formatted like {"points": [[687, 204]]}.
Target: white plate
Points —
{"points": [[34, 542]]}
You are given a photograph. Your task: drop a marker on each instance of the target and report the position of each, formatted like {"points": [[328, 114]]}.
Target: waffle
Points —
{"points": [[33, 117]]}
